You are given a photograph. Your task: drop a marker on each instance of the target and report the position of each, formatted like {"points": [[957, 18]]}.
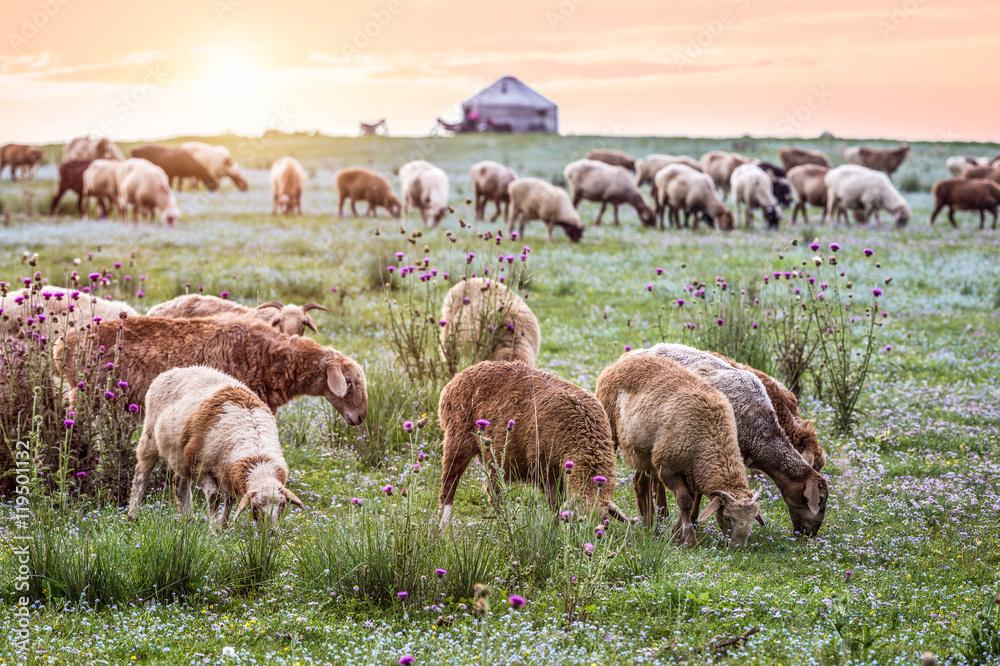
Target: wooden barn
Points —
{"points": [[510, 105]]}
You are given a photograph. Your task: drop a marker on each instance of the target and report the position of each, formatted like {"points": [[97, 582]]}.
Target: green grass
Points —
{"points": [[914, 491]]}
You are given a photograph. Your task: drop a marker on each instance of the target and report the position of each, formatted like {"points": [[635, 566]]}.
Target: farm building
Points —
{"points": [[510, 105]]}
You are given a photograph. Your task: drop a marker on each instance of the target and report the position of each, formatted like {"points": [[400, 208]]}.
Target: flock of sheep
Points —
{"points": [[97, 169]]}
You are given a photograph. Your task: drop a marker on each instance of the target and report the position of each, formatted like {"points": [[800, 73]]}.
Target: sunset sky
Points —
{"points": [[130, 69]]}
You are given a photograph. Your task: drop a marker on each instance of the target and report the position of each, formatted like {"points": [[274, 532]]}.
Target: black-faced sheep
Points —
{"points": [[606, 184], [534, 199], [490, 181], [490, 318]]}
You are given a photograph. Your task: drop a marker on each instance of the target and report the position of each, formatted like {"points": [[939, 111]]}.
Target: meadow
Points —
{"points": [[906, 561]]}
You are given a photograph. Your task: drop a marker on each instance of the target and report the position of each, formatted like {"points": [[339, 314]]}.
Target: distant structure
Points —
{"points": [[507, 105]]}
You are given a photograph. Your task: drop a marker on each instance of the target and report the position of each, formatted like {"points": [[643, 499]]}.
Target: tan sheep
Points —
{"points": [[606, 184], [534, 424], [100, 181], [678, 432], [866, 191], [288, 182], [83, 148], [489, 183], [612, 157], [752, 188], [360, 184], [145, 188], [646, 167], [793, 157], [534, 199], [810, 188], [988, 172], [289, 319], [719, 165], [482, 318], [886, 161], [218, 161], [682, 189]]}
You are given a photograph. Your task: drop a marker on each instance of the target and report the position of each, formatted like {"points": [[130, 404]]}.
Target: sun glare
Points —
{"points": [[231, 75]]}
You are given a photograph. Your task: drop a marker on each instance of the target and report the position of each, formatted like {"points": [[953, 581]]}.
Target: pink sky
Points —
{"points": [[913, 69]]}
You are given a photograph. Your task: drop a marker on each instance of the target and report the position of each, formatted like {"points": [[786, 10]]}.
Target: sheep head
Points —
{"points": [[394, 207], [269, 499], [782, 192], [724, 220], [647, 217], [284, 204], [573, 230], [772, 216], [235, 175], [344, 387], [806, 500], [736, 516]]}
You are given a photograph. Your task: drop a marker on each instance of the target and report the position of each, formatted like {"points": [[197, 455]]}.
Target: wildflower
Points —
{"points": [[820, 296], [847, 576], [681, 302], [876, 292], [400, 255], [388, 489], [123, 384], [834, 246], [659, 271], [649, 287], [402, 595], [720, 321], [568, 466], [69, 423], [565, 515], [510, 425], [408, 426], [109, 395], [599, 481], [483, 424], [814, 246], [588, 548], [885, 314], [228, 651], [139, 293], [481, 590], [80, 475], [516, 601], [441, 573], [134, 408], [823, 285], [94, 277], [357, 501], [869, 252], [422, 422], [599, 533], [628, 347], [421, 455], [416, 467], [888, 348], [406, 660], [755, 324]]}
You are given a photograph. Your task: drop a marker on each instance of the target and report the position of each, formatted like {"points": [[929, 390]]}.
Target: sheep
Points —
{"points": [[218, 161], [793, 157], [289, 319], [719, 165], [213, 432], [646, 167], [425, 187], [980, 172], [70, 180], [597, 181], [19, 156], [810, 188], [83, 148], [177, 163], [277, 367], [533, 424], [676, 431], [681, 188], [288, 182], [534, 199], [958, 164], [780, 187], [964, 194], [360, 184], [752, 189], [100, 181], [612, 157], [762, 442], [484, 313], [852, 187], [489, 183], [145, 187], [886, 161], [51, 311]]}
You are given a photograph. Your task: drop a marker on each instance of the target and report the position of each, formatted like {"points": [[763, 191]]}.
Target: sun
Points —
{"points": [[231, 74]]}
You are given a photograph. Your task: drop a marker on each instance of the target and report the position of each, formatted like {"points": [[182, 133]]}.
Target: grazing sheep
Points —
{"points": [[958, 164], [964, 194], [752, 189], [145, 187], [646, 167], [177, 163], [288, 182], [762, 442], [980, 172], [217, 161], [534, 199], [719, 165], [793, 157], [360, 184], [780, 187], [83, 148], [597, 181], [70, 180], [214, 433], [20, 157], [289, 319], [613, 157], [857, 188], [810, 188], [484, 313], [678, 432], [51, 311], [100, 181], [489, 183], [681, 188], [534, 423], [425, 187], [886, 161], [277, 367]]}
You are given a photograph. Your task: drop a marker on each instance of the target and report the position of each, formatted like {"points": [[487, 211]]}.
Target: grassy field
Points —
{"points": [[907, 557]]}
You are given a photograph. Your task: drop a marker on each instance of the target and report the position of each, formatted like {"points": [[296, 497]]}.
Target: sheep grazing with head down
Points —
{"points": [[762, 442], [491, 319], [489, 183], [425, 187], [857, 188], [100, 181], [752, 189], [288, 182], [810, 188], [682, 189], [360, 184], [289, 319], [780, 187], [596, 181], [534, 199], [145, 188], [535, 427], [214, 433], [612, 157], [678, 432]]}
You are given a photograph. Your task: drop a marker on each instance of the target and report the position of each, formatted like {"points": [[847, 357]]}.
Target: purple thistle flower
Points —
{"points": [[109, 395], [876, 292], [720, 321], [402, 595], [406, 660], [80, 475], [588, 548], [681, 302], [834, 246], [390, 269], [820, 296], [649, 287], [94, 277], [599, 481], [823, 285], [888, 348], [357, 501], [814, 246], [441, 573], [869, 252], [118, 264], [516, 601], [416, 467], [510, 425], [122, 384], [568, 466], [421, 455], [69, 423], [483, 424], [224, 295], [139, 293], [408, 426], [755, 324], [387, 490], [134, 408], [400, 255]]}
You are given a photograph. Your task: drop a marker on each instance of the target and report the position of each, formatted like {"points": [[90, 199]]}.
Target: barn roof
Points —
{"points": [[510, 91]]}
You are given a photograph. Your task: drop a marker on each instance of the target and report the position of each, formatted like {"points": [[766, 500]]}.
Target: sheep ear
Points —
{"points": [[712, 507], [812, 495], [311, 323], [335, 379], [293, 499], [242, 505], [759, 517], [808, 457]]}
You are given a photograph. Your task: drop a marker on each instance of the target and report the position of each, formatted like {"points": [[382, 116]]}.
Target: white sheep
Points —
{"points": [[858, 188], [218, 161], [146, 188], [289, 319], [489, 183], [681, 188], [719, 165], [958, 164], [213, 431], [752, 189], [534, 199], [426, 188], [288, 182], [598, 181]]}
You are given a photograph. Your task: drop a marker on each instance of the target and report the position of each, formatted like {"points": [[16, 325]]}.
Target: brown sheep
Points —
{"points": [[720, 165], [360, 184], [964, 194], [533, 424], [19, 156], [987, 172], [793, 157], [678, 432], [613, 157], [277, 367], [477, 303], [489, 183], [810, 188], [886, 161], [289, 319], [177, 163], [70, 180], [288, 182]]}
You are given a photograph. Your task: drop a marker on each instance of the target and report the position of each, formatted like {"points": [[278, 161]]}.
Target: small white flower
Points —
{"points": [[228, 651]]}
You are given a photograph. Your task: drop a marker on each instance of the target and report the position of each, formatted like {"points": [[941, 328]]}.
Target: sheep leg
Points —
{"points": [[148, 456], [496, 215], [748, 213], [354, 210], [684, 528], [227, 507], [616, 214], [951, 217], [994, 213], [577, 197], [597, 222], [937, 209], [341, 208], [182, 493], [982, 219], [642, 482], [458, 453], [212, 497], [55, 200]]}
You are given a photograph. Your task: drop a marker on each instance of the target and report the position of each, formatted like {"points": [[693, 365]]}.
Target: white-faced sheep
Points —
{"points": [[51, 311], [424, 187], [277, 367], [612, 157], [957, 165], [146, 188], [100, 181], [719, 165], [534, 199], [288, 182], [762, 442], [676, 431], [857, 188], [214, 433], [482, 318], [810, 188], [360, 184], [218, 161], [886, 161], [752, 189], [682, 189], [490, 181], [979, 195], [606, 184], [793, 157], [289, 319], [535, 427]]}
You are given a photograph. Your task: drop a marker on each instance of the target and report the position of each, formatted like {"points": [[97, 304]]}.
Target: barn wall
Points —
{"points": [[522, 119]]}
